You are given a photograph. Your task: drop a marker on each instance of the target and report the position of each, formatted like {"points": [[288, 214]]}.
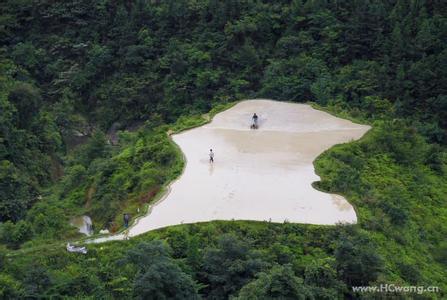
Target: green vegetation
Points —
{"points": [[399, 194], [214, 259], [74, 75]]}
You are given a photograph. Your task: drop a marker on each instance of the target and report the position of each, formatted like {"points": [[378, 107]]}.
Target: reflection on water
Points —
{"points": [[211, 169]]}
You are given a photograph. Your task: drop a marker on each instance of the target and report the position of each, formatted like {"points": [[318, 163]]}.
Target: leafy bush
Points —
{"points": [[158, 276]]}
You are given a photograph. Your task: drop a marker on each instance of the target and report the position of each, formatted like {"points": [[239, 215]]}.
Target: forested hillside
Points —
{"points": [[72, 73]]}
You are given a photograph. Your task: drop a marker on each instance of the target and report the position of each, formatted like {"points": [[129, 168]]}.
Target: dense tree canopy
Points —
{"points": [[74, 75], [109, 61]]}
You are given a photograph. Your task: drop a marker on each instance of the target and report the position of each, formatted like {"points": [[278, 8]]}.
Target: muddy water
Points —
{"points": [[263, 174], [83, 223]]}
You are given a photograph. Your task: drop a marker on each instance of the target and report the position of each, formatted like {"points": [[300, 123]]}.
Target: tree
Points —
{"points": [[229, 266], [357, 262], [9, 287], [36, 282], [321, 276], [15, 234], [26, 99], [16, 193], [27, 55], [95, 148], [278, 283], [159, 277], [292, 79]]}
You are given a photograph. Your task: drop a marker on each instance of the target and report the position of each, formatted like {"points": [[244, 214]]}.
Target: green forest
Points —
{"points": [[89, 90]]}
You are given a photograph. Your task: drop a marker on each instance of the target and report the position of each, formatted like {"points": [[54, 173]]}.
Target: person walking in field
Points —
{"points": [[126, 218], [211, 156], [255, 121]]}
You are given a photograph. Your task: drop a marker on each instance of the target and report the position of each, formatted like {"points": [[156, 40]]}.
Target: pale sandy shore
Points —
{"points": [[262, 175]]}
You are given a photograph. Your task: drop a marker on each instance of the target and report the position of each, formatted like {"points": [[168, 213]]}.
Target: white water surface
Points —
{"points": [[263, 175]]}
